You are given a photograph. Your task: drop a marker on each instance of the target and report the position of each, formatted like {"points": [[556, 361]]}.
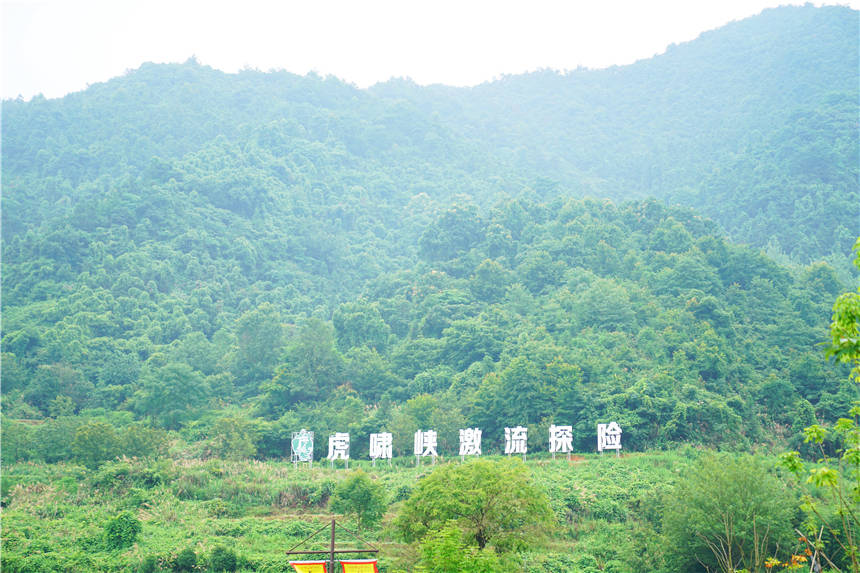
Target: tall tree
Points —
{"points": [[492, 502]]}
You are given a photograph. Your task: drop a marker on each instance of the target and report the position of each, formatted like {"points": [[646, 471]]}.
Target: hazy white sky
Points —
{"points": [[55, 47]]}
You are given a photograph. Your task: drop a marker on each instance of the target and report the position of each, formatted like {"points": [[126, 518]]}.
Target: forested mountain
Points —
{"points": [[699, 125], [753, 123], [207, 253]]}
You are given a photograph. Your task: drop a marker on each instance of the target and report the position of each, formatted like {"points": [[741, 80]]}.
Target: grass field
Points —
{"points": [[54, 515]]}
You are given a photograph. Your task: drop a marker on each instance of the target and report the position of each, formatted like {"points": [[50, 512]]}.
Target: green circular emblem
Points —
{"points": [[303, 446]]}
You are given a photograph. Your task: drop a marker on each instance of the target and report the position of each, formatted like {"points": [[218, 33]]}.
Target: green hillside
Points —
{"points": [[754, 124], [757, 118], [607, 509], [197, 264], [285, 244]]}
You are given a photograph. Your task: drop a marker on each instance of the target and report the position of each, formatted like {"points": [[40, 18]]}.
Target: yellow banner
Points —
{"points": [[309, 566], [360, 566]]}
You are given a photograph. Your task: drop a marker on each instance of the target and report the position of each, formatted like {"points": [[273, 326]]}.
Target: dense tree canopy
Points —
{"points": [[196, 265], [492, 503], [179, 243]]}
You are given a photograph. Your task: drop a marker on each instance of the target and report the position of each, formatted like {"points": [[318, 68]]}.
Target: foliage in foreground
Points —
{"points": [[360, 496], [837, 476], [727, 513], [491, 502], [606, 514], [446, 550], [122, 530]]}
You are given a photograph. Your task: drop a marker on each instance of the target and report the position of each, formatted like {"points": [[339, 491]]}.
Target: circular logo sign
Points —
{"points": [[303, 446]]}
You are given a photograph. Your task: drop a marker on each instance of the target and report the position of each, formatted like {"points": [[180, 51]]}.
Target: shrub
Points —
{"points": [[298, 529], [727, 513], [222, 559], [148, 565], [95, 443], [139, 441], [136, 498], [123, 474], [217, 508], [323, 492], [186, 560], [403, 492], [296, 495], [306, 495], [359, 495], [445, 550], [493, 502], [122, 530]]}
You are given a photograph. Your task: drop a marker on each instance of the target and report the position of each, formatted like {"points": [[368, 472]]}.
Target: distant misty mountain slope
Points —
{"points": [[680, 124], [754, 124], [713, 93]]}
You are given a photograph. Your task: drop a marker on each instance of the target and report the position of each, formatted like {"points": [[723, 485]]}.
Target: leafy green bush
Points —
{"points": [[136, 498], [295, 495], [586, 563], [139, 441], [95, 443], [186, 560], [123, 474], [217, 508], [298, 529], [6, 485], [727, 511], [149, 565], [122, 530], [494, 503], [445, 550], [321, 494], [402, 492], [361, 496], [222, 559], [546, 562]]}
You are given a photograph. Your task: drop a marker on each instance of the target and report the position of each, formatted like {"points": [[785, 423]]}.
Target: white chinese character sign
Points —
{"points": [[470, 442], [380, 447], [608, 437], [425, 445], [516, 440], [560, 439], [338, 448], [302, 447], [425, 442]]}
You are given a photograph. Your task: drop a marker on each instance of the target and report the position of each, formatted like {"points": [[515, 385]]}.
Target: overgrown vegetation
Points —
{"points": [[195, 265], [359, 496], [490, 503], [261, 273], [837, 475], [605, 514]]}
